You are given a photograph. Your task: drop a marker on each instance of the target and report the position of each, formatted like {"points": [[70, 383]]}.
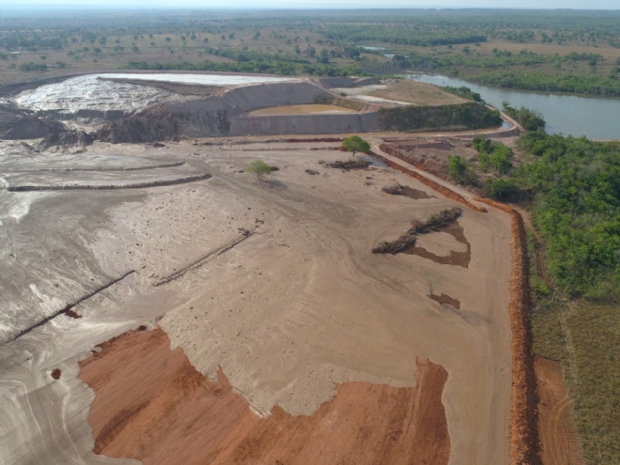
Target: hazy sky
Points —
{"points": [[550, 4]]}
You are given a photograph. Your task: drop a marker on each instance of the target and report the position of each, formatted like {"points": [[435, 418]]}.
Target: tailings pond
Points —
{"points": [[593, 117]]}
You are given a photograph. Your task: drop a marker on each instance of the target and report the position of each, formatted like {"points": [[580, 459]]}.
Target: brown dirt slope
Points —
{"points": [[152, 405], [559, 441]]}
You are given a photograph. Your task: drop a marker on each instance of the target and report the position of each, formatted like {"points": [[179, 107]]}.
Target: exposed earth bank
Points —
{"points": [[152, 405]]}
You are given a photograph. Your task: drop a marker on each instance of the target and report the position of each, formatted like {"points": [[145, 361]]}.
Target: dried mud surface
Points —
{"points": [[453, 257], [558, 437], [152, 405]]}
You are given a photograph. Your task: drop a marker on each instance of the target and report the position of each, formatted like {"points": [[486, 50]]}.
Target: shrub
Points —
{"points": [[459, 172], [355, 144], [259, 168]]}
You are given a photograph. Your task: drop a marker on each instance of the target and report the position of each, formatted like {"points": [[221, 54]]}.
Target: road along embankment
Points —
{"points": [[524, 436]]}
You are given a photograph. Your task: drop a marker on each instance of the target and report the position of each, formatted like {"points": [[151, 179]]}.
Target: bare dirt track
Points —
{"points": [[559, 440], [176, 415]]}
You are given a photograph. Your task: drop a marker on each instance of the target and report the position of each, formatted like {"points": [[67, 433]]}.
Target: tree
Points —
{"points": [[355, 144], [259, 168], [459, 171], [432, 278]]}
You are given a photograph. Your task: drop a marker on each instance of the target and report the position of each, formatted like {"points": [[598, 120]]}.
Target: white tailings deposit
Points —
{"points": [[97, 94], [224, 80]]}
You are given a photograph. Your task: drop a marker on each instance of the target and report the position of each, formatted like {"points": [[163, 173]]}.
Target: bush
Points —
{"points": [[460, 172], [355, 144], [500, 158], [500, 189], [259, 168], [33, 67]]}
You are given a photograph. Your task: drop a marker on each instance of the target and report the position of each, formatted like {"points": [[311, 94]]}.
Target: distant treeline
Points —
{"points": [[400, 35], [539, 81], [283, 67]]}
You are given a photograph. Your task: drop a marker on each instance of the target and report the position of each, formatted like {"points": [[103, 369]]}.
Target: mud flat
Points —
{"points": [[295, 322]]}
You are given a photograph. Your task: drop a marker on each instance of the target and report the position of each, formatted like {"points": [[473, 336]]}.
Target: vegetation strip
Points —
{"points": [[524, 437], [408, 240]]}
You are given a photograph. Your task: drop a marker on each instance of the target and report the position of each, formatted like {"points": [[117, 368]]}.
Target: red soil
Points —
{"points": [[559, 441], [152, 405]]}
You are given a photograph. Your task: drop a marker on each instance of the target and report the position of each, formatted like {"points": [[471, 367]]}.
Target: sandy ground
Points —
{"points": [[273, 282]]}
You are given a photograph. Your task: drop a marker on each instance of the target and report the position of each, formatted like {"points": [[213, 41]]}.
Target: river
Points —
{"points": [[593, 117]]}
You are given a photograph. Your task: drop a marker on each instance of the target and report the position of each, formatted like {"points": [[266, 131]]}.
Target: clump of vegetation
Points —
{"points": [[526, 118], [27, 67], [435, 222], [355, 144], [349, 164], [470, 115], [464, 92], [398, 189], [259, 168], [460, 171], [496, 156]]}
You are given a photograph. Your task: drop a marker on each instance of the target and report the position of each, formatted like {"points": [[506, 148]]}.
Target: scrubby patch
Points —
{"points": [[398, 189], [448, 117], [408, 240], [349, 164]]}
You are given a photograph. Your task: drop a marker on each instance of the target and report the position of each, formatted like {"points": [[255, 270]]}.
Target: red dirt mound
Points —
{"points": [[152, 405]]}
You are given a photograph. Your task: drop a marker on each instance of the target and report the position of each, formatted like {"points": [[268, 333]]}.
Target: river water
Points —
{"points": [[593, 117]]}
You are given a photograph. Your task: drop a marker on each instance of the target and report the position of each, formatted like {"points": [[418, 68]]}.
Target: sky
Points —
{"points": [[288, 4]]}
